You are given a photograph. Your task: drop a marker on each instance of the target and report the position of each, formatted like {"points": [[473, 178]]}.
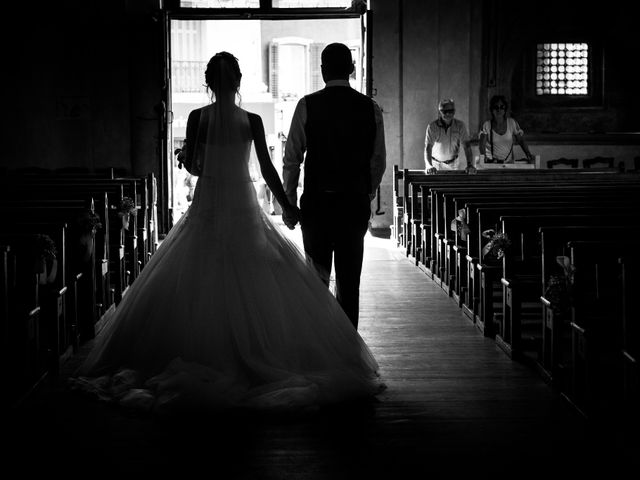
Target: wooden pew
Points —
{"points": [[54, 298], [419, 209], [99, 218], [526, 331], [147, 202], [459, 256], [78, 256], [484, 278], [24, 352], [562, 162], [398, 206], [448, 200], [121, 192], [597, 366], [629, 287], [146, 206], [113, 194], [449, 254], [553, 289], [85, 243]]}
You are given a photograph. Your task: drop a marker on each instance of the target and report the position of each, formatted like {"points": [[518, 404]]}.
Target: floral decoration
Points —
{"points": [[127, 206], [559, 286], [89, 222], [497, 245], [44, 247]]}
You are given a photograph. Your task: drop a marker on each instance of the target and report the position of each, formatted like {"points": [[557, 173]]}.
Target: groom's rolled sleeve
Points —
{"points": [[294, 152], [378, 162]]}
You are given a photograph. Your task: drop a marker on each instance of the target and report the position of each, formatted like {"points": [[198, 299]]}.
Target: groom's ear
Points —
{"points": [[353, 67]]}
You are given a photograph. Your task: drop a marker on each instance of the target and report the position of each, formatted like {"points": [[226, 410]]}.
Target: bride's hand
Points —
{"points": [[290, 216]]}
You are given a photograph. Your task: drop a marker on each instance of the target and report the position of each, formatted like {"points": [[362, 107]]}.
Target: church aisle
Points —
{"points": [[454, 404]]}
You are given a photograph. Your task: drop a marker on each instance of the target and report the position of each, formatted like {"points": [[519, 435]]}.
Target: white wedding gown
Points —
{"points": [[228, 313]]}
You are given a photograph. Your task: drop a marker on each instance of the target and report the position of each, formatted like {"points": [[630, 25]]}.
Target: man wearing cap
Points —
{"points": [[339, 134], [443, 140]]}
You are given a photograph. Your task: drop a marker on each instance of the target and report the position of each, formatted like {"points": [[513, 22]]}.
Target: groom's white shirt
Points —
{"points": [[296, 147]]}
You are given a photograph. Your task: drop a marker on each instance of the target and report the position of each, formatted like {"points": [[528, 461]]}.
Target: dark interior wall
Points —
{"points": [[440, 45], [512, 34], [83, 87]]}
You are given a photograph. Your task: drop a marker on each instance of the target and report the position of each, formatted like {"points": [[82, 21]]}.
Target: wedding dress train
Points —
{"points": [[228, 313]]}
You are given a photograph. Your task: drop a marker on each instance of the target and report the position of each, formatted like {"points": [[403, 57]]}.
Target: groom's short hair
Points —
{"points": [[336, 60]]}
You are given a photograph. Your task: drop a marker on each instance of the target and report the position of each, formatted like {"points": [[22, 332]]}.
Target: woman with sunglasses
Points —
{"points": [[498, 135]]}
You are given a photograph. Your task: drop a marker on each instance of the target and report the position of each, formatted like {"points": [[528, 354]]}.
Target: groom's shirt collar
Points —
{"points": [[338, 83]]}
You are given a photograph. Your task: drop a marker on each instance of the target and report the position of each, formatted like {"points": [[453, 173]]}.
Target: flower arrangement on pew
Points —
{"points": [[45, 255], [89, 222], [496, 246], [127, 207], [560, 285]]}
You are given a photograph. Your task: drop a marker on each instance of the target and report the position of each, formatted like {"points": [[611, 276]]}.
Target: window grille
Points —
{"points": [[562, 69]]}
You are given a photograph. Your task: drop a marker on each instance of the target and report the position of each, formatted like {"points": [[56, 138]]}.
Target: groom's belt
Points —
{"points": [[445, 161]]}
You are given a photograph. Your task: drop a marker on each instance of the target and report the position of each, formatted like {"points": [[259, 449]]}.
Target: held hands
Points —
{"points": [[431, 170], [290, 216], [471, 170]]}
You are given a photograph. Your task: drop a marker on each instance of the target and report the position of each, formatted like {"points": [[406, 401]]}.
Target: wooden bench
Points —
{"points": [[419, 209], [484, 279], [146, 205], [79, 253], [555, 287], [527, 331], [24, 354], [450, 248], [147, 200], [119, 265], [562, 162], [103, 218], [629, 285], [597, 366], [57, 332]]}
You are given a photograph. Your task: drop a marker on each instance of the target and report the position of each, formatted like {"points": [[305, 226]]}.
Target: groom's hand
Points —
{"points": [[291, 216]]}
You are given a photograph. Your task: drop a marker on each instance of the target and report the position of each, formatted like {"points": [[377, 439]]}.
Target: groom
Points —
{"points": [[339, 134]]}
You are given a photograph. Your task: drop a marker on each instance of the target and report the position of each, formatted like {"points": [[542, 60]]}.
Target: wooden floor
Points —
{"points": [[455, 405]]}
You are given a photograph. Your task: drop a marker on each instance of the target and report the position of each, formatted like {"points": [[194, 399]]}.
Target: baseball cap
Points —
{"points": [[446, 103]]}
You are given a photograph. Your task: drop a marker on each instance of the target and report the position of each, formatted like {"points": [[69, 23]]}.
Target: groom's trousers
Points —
{"points": [[333, 229]]}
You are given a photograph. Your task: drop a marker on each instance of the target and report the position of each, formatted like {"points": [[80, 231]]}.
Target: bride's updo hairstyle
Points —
{"points": [[222, 76]]}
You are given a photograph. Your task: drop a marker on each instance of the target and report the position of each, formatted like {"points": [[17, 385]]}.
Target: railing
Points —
{"points": [[188, 76]]}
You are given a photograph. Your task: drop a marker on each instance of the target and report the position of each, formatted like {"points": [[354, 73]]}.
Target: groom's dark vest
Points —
{"points": [[340, 132]]}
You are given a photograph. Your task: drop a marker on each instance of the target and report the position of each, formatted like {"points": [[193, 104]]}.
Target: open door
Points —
{"points": [[165, 177], [279, 53]]}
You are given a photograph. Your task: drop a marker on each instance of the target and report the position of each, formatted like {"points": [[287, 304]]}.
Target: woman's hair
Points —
{"points": [[222, 75], [495, 100]]}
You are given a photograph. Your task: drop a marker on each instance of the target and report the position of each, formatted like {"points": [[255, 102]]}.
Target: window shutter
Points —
{"points": [[314, 59], [273, 69]]}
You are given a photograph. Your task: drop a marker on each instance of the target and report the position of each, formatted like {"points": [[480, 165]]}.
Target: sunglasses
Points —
{"points": [[449, 110], [499, 107]]}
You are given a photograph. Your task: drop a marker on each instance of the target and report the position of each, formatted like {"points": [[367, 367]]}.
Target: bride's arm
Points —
{"points": [[188, 151], [267, 169]]}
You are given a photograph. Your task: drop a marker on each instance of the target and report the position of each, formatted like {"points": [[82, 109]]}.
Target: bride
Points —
{"points": [[228, 313]]}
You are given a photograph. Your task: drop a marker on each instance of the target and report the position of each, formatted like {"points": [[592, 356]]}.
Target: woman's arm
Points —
{"points": [[524, 146], [482, 142], [518, 134], [189, 149], [267, 169]]}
